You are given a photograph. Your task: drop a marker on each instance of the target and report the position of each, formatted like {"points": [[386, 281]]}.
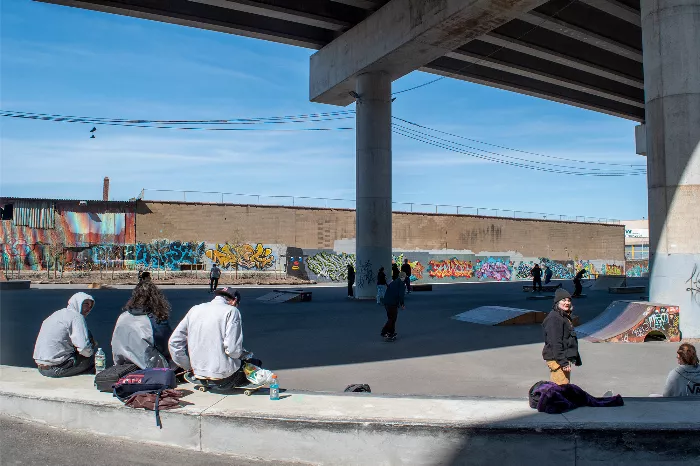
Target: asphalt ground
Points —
{"points": [[26, 443], [331, 342]]}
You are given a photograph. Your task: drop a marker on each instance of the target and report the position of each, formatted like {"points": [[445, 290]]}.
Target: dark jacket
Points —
{"points": [[560, 341], [536, 272], [580, 274], [351, 275], [394, 271], [556, 399], [381, 278], [405, 268], [548, 274], [395, 293]]}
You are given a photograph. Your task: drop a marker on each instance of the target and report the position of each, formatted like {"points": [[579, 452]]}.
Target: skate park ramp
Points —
{"points": [[633, 322], [603, 282], [285, 296], [497, 315]]}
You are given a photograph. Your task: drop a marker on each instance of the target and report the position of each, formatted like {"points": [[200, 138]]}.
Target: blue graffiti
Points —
{"points": [[168, 255]]}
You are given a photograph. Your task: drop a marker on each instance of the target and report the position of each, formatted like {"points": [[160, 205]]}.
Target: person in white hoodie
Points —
{"points": [[209, 341], [64, 346], [684, 379]]}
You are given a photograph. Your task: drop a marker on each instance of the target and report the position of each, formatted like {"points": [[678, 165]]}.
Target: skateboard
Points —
{"points": [[204, 386]]}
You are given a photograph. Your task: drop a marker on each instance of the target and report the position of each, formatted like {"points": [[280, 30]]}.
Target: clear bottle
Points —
{"points": [[100, 361], [274, 388]]}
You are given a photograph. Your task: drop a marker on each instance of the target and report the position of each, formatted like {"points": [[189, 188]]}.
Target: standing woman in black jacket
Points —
{"points": [[351, 280], [560, 342]]}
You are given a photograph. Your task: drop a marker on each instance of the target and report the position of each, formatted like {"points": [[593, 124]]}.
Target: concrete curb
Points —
{"points": [[361, 429]]}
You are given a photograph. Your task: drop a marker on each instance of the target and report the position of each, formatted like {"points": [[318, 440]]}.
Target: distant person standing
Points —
{"points": [[394, 271], [560, 350], [351, 280], [547, 274], [578, 287], [214, 275], [406, 268], [381, 285], [536, 273]]}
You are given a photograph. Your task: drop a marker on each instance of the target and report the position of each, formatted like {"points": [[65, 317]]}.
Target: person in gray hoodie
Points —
{"points": [[64, 346], [209, 341], [684, 380], [142, 331]]}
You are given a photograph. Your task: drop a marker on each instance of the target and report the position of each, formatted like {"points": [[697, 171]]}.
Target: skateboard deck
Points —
{"points": [[204, 386]]}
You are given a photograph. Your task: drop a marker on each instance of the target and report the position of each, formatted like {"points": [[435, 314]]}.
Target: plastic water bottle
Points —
{"points": [[274, 388], [100, 361]]}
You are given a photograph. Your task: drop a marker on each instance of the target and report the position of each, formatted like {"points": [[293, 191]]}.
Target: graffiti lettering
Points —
{"points": [[493, 269], [694, 282], [452, 268], [330, 265], [242, 256]]}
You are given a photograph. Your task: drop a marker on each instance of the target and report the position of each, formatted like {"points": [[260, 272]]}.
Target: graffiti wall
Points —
{"points": [[637, 268]]}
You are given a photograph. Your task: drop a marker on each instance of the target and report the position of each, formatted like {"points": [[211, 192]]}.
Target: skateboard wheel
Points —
{"points": [[247, 392], [202, 389]]}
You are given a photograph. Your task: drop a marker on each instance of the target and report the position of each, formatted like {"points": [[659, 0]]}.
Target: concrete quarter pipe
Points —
{"points": [[633, 322]]}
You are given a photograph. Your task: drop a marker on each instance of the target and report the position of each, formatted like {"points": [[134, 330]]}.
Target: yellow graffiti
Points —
{"points": [[241, 256]]}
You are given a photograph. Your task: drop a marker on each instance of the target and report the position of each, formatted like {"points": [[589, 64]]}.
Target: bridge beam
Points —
{"points": [[402, 36], [670, 35]]}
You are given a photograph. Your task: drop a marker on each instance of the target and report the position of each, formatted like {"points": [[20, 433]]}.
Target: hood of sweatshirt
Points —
{"points": [[75, 303], [689, 372]]}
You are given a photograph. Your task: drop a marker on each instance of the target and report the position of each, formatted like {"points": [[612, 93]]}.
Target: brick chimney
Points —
{"points": [[105, 189]]}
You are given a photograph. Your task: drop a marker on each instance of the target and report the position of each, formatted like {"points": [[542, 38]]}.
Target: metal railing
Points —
{"points": [[329, 202]]}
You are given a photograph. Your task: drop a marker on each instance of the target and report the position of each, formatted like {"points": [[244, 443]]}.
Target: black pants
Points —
{"points": [[407, 282], [392, 313], [578, 288], [350, 293], [213, 283], [535, 282], [237, 379], [77, 364]]}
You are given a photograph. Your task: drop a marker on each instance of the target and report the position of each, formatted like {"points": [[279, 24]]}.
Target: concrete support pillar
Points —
{"points": [[373, 191], [671, 43]]}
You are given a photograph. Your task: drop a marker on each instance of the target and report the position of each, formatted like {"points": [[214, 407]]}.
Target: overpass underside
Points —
{"points": [[636, 59], [586, 53]]}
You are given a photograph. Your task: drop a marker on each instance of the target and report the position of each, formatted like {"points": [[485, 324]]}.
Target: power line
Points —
{"points": [[443, 145], [548, 164], [469, 65], [518, 150], [62, 119]]}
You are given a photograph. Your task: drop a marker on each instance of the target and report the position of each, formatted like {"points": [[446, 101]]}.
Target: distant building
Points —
{"points": [[636, 239]]}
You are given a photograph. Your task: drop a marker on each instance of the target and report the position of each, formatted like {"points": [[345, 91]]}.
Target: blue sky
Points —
{"points": [[62, 60]]}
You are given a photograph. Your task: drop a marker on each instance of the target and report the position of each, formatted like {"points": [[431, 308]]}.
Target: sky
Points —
{"points": [[68, 61]]}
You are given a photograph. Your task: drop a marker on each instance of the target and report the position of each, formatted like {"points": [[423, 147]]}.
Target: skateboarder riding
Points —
{"points": [[578, 287], [392, 300], [536, 273]]}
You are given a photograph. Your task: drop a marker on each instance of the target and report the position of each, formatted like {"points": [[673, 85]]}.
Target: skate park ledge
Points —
{"points": [[360, 428]]}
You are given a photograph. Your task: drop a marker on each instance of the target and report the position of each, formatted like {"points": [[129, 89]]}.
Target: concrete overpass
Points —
{"points": [[635, 59]]}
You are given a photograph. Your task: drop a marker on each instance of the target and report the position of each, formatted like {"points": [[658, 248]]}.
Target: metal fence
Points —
{"points": [[328, 202]]}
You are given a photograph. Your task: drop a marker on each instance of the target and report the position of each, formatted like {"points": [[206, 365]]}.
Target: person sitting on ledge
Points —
{"points": [[64, 346], [684, 379], [142, 331], [209, 342]]}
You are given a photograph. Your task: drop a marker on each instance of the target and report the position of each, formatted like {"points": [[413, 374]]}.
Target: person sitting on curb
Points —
{"points": [[65, 346], [684, 380], [209, 342], [392, 300], [560, 342], [142, 331]]}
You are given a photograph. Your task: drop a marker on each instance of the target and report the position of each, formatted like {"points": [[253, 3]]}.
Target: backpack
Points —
{"points": [[145, 380], [358, 387], [146, 387], [111, 375], [534, 394]]}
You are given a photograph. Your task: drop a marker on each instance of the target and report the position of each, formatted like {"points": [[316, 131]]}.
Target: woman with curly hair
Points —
{"points": [[142, 331], [684, 379]]}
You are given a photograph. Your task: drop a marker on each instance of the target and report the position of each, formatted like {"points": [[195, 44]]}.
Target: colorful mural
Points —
{"points": [[242, 256], [638, 268], [494, 268], [450, 268], [330, 266], [660, 319]]}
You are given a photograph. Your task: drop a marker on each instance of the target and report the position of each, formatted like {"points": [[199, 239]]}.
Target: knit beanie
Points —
{"points": [[560, 294]]}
